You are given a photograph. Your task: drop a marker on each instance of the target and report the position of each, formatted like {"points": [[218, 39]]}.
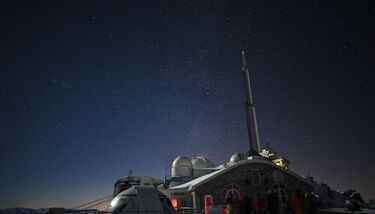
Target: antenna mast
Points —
{"points": [[252, 126]]}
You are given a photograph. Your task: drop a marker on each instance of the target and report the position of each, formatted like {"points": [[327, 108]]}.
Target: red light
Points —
{"points": [[208, 202], [174, 202]]}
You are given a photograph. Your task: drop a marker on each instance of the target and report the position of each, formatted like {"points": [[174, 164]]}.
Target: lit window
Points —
{"points": [[174, 202], [207, 202]]}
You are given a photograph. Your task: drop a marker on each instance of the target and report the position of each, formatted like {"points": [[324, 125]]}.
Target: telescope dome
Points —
{"points": [[182, 167], [236, 158], [200, 162]]}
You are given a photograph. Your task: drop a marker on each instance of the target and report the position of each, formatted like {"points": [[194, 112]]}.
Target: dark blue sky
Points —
{"points": [[92, 89]]}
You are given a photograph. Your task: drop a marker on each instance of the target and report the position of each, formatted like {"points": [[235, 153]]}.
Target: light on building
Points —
{"points": [[174, 202]]}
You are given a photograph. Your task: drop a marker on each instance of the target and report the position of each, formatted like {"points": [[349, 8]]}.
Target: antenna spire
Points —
{"points": [[252, 126]]}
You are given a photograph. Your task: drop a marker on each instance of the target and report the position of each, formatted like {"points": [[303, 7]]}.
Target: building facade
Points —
{"points": [[250, 177]]}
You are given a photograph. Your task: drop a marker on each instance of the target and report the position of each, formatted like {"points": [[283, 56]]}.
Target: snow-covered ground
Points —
{"points": [[23, 211], [344, 210]]}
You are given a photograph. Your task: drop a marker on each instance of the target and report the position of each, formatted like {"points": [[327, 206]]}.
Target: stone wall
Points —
{"points": [[240, 178]]}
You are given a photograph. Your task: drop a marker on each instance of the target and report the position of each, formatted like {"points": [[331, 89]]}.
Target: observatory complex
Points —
{"points": [[197, 184], [200, 185]]}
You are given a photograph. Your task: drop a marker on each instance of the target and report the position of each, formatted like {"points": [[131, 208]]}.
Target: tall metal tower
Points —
{"points": [[252, 126]]}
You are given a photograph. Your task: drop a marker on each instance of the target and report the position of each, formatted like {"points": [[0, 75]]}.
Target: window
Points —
{"points": [[283, 194], [255, 175]]}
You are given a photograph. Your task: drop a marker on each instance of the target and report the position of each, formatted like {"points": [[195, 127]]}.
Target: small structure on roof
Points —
{"points": [[275, 157]]}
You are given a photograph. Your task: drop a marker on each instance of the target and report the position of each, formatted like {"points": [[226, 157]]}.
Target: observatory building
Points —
{"points": [[202, 186], [198, 184]]}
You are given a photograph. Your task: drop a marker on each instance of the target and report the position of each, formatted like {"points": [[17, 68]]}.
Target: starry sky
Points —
{"points": [[92, 89]]}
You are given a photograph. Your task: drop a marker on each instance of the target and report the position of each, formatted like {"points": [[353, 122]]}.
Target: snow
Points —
{"points": [[197, 180], [193, 183], [344, 210]]}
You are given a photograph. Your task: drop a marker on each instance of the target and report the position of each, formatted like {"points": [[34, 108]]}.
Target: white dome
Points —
{"points": [[182, 167], [202, 163], [182, 161], [236, 158]]}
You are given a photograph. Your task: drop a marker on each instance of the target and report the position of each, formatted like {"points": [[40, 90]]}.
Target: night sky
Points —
{"points": [[93, 89]]}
